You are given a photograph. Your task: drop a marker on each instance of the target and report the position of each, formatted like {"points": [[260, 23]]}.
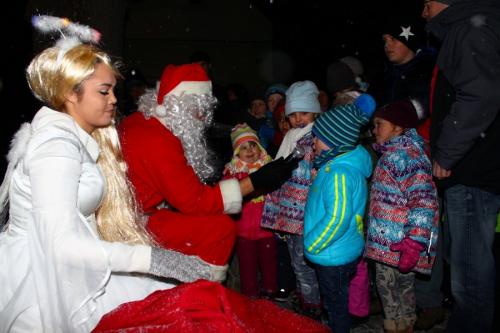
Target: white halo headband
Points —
{"points": [[71, 33]]}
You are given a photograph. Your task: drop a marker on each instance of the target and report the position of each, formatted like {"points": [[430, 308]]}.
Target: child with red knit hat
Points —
{"points": [[255, 247], [403, 215]]}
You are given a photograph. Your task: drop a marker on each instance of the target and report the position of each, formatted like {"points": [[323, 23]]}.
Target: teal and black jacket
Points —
{"points": [[333, 227]]}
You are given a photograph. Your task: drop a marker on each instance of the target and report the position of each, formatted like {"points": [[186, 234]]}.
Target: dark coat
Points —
{"points": [[410, 80], [465, 130]]}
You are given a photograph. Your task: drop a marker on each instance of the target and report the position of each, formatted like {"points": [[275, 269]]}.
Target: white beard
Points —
{"points": [[187, 117]]}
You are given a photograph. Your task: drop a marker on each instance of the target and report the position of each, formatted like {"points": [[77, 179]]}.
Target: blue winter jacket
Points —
{"points": [[333, 226]]}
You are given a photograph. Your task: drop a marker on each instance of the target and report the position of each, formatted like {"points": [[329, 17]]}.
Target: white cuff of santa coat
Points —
{"points": [[231, 195]]}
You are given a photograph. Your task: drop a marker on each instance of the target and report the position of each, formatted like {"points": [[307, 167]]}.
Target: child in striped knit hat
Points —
{"points": [[403, 215], [333, 226], [255, 247]]}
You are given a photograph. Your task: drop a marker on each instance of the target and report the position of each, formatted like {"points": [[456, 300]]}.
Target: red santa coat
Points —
{"points": [[160, 173]]}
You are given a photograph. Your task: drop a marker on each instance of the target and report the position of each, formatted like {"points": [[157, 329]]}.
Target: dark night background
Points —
{"points": [[255, 43], [252, 42]]}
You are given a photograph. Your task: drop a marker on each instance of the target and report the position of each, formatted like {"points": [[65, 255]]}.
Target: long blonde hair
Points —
{"points": [[52, 75]]}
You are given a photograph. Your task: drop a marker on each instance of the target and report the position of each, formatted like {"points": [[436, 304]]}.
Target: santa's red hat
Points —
{"points": [[187, 79]]}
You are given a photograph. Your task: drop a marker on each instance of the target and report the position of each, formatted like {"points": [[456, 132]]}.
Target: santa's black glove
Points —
{"points": [[272, 175]]}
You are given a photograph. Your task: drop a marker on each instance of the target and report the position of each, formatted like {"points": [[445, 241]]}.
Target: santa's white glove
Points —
{"points": [[182, 267]]}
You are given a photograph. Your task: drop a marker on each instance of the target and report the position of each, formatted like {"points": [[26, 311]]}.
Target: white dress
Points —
{"points": [[56, 275]]}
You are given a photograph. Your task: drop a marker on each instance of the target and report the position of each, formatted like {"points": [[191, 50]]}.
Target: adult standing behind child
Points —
{"points": [[333, 227], [284, 208], [255, 246], [403, 215]]}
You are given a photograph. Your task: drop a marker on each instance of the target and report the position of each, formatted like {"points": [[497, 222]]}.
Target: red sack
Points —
{"points": [[203, 306]]}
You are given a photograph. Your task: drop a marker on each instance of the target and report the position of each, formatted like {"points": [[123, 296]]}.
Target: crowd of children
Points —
{"points": [[320, 211]]}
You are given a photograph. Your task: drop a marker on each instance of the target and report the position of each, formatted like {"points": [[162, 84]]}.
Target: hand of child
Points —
{"points": [[409, 253]]}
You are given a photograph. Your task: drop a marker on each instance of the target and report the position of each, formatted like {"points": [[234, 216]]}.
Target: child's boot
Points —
{"points": [[391, 326], [406, 325]]}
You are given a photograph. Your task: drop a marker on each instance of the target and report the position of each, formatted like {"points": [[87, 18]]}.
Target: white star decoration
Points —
{"points": [[406, 33]]}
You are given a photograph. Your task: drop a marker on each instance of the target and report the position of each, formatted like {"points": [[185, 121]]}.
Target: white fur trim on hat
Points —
{"points": [[192, 87]]}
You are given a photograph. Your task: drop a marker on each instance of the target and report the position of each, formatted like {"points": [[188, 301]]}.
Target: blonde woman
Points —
{"points": [[73, 238], [74, 254]]}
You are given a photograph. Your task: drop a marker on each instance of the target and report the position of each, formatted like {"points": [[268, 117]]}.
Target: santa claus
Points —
{"points": [[169, 162]]}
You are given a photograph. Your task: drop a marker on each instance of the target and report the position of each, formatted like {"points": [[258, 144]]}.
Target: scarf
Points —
{"points": [[327, 155]]}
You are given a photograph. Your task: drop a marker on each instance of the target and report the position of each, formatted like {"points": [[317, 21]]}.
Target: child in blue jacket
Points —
{"points": [[333, 228]]}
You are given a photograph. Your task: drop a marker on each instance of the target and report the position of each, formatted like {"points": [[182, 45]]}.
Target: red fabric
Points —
{"points": [[278, 138], [248, 225], [173, 75], [211, 237], [277, 114], [424, 129], [401, 113], [254, 255], [159, 172], [248, 222], [410, 253], [203, 306]]}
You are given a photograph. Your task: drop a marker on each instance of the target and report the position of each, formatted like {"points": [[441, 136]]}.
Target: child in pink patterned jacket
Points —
{"points": [[256, 247], [403, 215]]}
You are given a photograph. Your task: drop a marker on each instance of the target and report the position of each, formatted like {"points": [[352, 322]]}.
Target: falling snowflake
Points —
{"points": [[478, 20]]}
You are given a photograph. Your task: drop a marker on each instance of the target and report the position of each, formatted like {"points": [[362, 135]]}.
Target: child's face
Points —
{"points": [[301, 119], [283, 124], [258, 108], [384, 130], [396, 51], [273, 100], [249, 152], [319, 146]]}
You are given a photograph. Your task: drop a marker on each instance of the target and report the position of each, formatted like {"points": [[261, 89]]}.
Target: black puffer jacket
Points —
{"points": [[465, 130]]}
